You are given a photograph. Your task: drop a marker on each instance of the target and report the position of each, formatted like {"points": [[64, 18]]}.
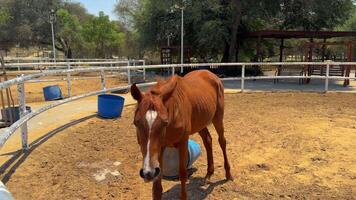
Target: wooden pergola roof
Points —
{"points": [[297, 34]]}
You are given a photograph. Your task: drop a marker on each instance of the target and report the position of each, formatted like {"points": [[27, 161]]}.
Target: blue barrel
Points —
{"points": [[52, 92], [110, 106], [15, 112], [171, 159]]}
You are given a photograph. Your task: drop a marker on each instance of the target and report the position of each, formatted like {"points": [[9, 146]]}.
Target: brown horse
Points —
{"points": [[172, 110]]}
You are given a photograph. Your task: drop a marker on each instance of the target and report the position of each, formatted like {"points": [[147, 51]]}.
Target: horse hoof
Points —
{"points": [[229, 178], [206, 181]]}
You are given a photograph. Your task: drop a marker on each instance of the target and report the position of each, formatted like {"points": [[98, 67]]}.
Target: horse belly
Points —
{"points": [[203, 96], [203, 113]]}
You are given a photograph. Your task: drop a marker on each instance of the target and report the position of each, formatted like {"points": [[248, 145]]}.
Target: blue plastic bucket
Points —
{"points": [[171, 159], [110, 106], [52, 92], [15, 111]]}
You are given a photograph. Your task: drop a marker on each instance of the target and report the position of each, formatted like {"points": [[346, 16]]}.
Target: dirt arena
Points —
{"points": [[34, 91], [280, 145]]}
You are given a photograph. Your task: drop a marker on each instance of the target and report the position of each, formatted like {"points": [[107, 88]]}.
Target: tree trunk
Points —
{"points": [[225, 57], [69, 53], [66, 48], [236, 5]]}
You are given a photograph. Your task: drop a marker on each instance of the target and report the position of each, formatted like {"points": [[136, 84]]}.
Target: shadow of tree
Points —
{"points": [[196, 190], [19, 156]]}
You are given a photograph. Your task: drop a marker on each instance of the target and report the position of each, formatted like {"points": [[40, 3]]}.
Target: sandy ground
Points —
{"points": [[280, 145], [60, 116]]}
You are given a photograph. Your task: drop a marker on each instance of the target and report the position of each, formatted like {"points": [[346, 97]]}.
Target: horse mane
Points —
{"points": [[176, 100], [176, 97]]}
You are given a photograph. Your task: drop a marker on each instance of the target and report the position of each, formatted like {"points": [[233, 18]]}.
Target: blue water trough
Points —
{"points": [[52, 92], [14, 111], [110, 106]]}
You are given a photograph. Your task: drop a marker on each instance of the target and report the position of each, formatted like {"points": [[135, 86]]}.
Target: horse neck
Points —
{"points": [[177, 100]]}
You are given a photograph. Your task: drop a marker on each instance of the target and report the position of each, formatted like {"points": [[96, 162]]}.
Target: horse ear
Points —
{"points": [[168, 88], [136, 93]]}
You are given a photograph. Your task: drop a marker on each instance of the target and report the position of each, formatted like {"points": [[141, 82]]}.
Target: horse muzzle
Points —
{"points": [[150, 175]]}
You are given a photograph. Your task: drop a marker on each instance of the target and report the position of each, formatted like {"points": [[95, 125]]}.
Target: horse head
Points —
{"points": [[151, 120]]}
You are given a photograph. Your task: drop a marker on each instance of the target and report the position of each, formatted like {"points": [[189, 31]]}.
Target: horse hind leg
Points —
{"points": [[206, 137], [219, 127]]}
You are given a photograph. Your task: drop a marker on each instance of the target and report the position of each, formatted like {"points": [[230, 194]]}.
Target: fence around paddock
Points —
{"points": [[129, 69]]}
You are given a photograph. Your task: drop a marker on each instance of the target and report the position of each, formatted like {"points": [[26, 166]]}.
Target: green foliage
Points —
{"points": [[4, 16], [29, 20], [315, 14], [77, 33], [103, 36], [68, 32], [208, 24], [350, 24]]}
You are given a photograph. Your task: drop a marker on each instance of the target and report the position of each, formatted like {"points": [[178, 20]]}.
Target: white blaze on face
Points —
{"points": [[151, 116]]}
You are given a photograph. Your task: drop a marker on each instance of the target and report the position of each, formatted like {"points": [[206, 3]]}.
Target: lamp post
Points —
{"points": [[182, 40], [52, 20], [168, 39]]}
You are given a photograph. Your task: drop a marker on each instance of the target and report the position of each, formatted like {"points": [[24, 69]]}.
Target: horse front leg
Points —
{"points": [[157, 184], [157, 189], [183, 174]]}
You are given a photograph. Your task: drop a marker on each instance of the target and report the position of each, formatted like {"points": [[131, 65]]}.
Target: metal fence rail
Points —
{"points": [[25, 117]]}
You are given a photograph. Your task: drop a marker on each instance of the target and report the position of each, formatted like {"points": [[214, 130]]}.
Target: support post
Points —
{"points": [[327, 77], [18, 64], [281, 48], [258, 49], [102, 78], [23, 112], [243, 78], [323, 48], [348, 67], [53, 44], [69, 87]]}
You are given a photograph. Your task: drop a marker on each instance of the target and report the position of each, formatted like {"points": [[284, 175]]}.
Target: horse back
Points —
{"points": [[206, 95]]}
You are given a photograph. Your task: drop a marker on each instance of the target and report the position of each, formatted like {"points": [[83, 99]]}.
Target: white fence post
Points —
{"points": [[128, 73], [144, 70], [69, 89], [18, 62], [103, 82], [23, 112], [243, 78], [327, 77]]}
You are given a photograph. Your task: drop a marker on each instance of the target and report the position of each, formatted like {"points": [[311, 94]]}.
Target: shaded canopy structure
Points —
{"points": [[282, 35], [297, 34], [307, 47]]}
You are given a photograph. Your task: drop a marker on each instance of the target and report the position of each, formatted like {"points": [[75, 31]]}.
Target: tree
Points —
{"points": [[212, 26], [77, 33], [77, 10], [29, 21], [126, 10], [68, 33], [313, 15], [4, 16], [103, 36]]}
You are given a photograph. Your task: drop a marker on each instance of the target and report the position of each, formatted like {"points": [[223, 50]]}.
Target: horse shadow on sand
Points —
{"points": [[195, 188]]}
